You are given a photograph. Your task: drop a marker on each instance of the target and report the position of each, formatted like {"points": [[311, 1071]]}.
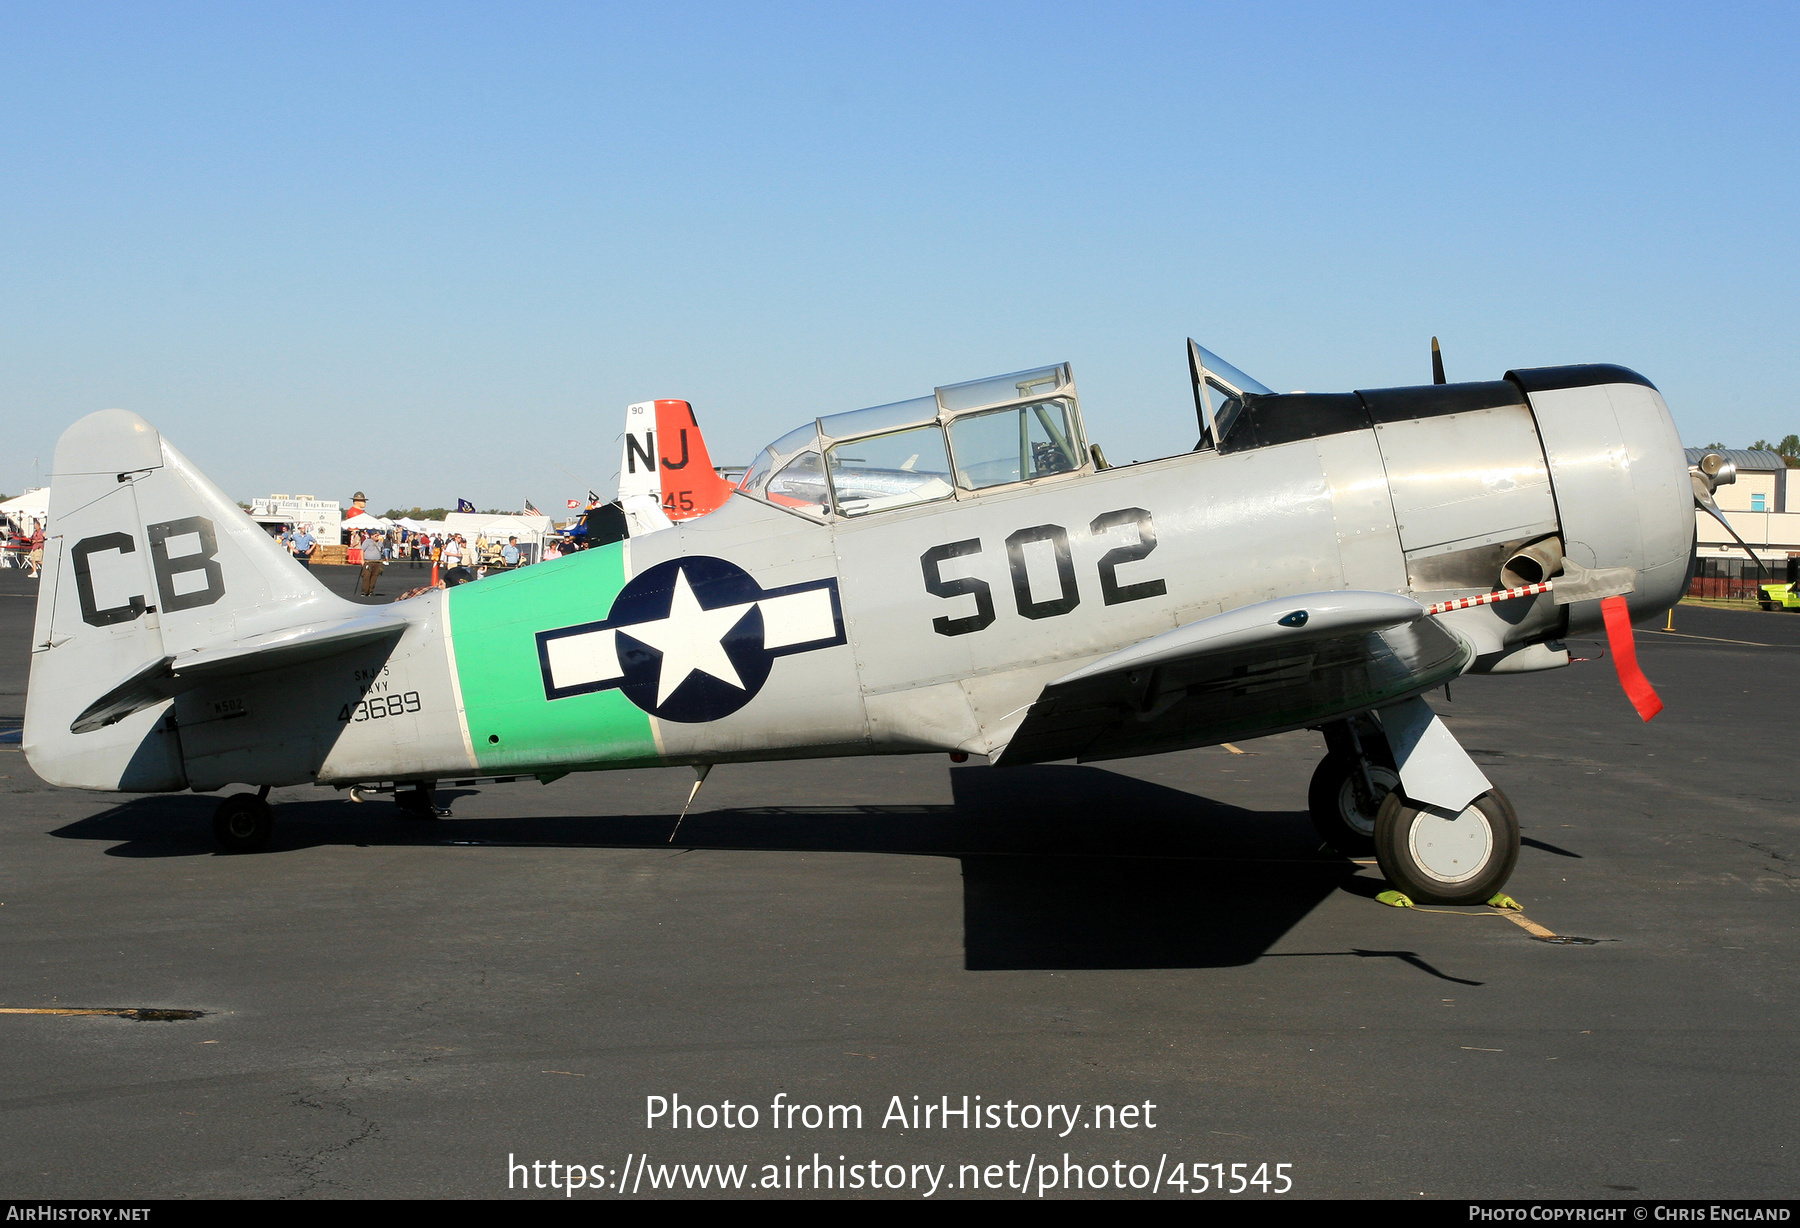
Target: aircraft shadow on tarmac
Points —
{"points": [[1063, 867]]}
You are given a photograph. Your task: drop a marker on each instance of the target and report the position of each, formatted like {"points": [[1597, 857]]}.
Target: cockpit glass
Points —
{"points": [[1226, 387], [758, 470], [1042, 382], [1231, 375], [1226, 405], [776, 454], [1015, 444], [879, 418], [800, 485], [889, 471]]}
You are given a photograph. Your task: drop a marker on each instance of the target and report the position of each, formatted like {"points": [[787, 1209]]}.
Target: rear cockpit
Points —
{"points": [[963, 440]]}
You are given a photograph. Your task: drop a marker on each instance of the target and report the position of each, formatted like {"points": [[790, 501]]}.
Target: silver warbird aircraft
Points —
{"points": [[959, 573]]}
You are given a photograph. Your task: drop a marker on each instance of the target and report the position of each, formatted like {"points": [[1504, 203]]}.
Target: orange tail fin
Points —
{"points": [[690, 485]]}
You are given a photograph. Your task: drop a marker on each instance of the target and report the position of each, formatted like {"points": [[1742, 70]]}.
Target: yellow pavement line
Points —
{"points": [[62, 1010], [1714, 638], [158, 1014], [1528, 925], [1228, 746]]}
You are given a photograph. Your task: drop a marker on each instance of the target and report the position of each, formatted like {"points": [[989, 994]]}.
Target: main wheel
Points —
{"points": [[243, 823], [1341, 820], [1440, 860]]}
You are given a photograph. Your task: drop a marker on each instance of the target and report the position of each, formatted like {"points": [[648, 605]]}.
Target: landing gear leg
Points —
{"points": [[419, 802], [244, 822], [1350, 785]]}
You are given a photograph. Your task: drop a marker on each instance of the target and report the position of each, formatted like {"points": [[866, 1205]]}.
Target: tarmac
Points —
{"points": [[406, 1009]]}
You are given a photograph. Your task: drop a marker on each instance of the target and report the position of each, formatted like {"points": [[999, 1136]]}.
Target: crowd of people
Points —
{"points": [[451, 555], [447, 549], [421, 549], [447, 552]]}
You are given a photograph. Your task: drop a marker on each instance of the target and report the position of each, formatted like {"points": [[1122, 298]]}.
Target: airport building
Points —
{"points": [[1757, 506]]}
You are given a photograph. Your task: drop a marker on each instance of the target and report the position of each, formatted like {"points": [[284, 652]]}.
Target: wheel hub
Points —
{"points": [[1451, 850], [1355, 817]]}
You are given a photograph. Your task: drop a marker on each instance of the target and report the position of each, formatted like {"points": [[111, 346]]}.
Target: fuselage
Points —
{"points": [[951, 617], [933, 627]]}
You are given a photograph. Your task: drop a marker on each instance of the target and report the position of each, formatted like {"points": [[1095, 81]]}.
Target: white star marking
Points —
{"points": [[691, 640]]}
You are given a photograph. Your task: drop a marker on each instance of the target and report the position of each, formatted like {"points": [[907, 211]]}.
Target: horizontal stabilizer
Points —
{"points": [[170, 676]]}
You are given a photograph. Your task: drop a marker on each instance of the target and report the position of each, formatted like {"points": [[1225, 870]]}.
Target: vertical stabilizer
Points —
{"points": [[665, 472], [145, 561]]}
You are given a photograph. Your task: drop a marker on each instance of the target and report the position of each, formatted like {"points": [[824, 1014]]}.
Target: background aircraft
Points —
{"points": [[961, 572], [665, 472]]}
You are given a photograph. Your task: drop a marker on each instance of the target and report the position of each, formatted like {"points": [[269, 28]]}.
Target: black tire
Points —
{"points": [[1441, 862], [1331, 799], [243, 823], [1767, 605]]}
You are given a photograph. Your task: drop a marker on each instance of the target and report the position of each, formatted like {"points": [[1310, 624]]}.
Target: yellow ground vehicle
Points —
{"points": [[1784, 595]]}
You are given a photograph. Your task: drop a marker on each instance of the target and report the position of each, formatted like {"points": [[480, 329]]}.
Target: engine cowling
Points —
{"points": [[1620, 478]]}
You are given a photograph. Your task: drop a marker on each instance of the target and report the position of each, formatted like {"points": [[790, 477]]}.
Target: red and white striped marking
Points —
{"points": [[1465, 603]]}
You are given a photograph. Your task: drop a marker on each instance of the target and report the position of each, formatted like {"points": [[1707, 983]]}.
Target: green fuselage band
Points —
{"points": [[494, 625]]}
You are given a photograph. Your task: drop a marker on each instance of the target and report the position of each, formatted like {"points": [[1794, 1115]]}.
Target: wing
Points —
{"points": [[1261, 669]]}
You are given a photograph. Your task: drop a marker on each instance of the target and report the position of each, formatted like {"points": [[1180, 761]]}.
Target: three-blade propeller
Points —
{"points": [[1712, 472]]}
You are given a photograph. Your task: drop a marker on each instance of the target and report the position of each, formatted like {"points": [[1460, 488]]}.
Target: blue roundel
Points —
{"points": [[691, 640], [716, 584]]}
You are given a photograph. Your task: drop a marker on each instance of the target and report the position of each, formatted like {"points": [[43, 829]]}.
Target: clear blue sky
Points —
{"points": [[432, 251]]}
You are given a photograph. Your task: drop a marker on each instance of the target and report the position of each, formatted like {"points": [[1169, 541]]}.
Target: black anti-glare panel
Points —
{"points": [[1583, 375], [1434, 400], [1288, 417]]}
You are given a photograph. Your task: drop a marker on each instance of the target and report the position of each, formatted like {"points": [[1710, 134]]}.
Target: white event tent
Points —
{"points": [[530, 530], [368, 521], [22, 510]]}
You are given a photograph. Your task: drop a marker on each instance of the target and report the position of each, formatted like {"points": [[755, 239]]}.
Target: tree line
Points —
{"points": [[435, 513], [1788, 449]]}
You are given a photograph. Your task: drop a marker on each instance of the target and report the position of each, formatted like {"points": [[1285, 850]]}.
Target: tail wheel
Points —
{"points": [[1342, 816], [417, 803], [1442, 860], [243, 823]]}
